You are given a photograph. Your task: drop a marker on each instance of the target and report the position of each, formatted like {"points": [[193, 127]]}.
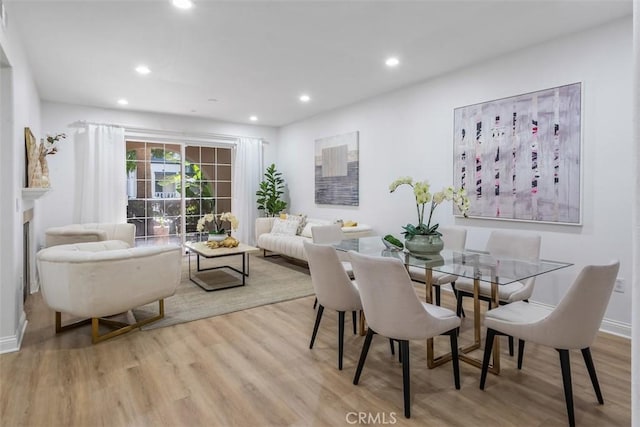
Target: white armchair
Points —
{"points": [[98, 279], [93, 232]]}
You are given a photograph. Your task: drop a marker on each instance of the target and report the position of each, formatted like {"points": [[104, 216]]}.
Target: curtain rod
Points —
{"points": [[81, 123]]}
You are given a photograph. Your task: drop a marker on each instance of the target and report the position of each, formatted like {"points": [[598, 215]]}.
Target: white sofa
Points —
{"points": [[292, 246]]}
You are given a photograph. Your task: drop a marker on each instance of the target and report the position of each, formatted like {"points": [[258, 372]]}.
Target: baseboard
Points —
{"points": [[609, 326], [13, 342], [616, 328]]}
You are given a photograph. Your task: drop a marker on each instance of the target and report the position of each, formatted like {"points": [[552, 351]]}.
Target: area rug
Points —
{"points": [[270, 280]]}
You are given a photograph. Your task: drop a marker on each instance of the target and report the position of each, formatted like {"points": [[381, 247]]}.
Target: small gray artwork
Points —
{"points": [[519, 157], [337, 170]]}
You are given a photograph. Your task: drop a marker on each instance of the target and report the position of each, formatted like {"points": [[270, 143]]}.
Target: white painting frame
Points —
{"points": [[520, 157]]}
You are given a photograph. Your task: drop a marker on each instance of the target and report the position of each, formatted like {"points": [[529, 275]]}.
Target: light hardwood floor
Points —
{"points": [[254, 368]]}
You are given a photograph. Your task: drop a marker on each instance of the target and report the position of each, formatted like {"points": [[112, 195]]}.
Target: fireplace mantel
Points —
{"points": [[34, 193]]}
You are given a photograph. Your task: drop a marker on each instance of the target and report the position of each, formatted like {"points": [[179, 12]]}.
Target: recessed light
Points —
{"points": [[183, 4], [143, 69], [212, 100], [305, 98], [253, 118], [392, 62], [123, 101]]}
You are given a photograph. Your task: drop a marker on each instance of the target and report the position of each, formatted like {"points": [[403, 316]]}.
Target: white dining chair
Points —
{"points": [[328, 235], [333, 288], [573, 324], [454, 239], [393, 310], [506, 244]]}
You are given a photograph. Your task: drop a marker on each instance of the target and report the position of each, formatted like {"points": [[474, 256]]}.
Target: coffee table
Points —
{"points": [[202, 250]]}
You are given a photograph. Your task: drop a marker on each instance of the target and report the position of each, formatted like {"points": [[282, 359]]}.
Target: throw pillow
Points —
{"points": [[306, 231], [285, 227], [303, 222]]}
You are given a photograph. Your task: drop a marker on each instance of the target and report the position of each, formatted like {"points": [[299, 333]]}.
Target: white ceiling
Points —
{"points": [[257, 57]]}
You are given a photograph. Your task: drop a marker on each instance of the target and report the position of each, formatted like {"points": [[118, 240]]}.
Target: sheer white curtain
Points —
{"points": [[246, 179], [101, 193]]}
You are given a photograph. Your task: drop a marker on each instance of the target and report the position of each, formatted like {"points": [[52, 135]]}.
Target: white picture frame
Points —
{"points": [[519, 158]]}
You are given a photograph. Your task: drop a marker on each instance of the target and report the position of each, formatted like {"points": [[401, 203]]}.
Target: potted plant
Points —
{"points": [[424, 239], [161, 226], [271, 188]]}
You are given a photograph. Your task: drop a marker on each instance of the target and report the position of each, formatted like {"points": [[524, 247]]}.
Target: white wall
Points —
{"points": [[409, 132], [57, 117], [23, 111]]}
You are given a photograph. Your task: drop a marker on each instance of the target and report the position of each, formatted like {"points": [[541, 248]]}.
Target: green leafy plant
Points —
{"points": [[423, 196], [50, 145], [131, 160], [271, 188], [162, 221], [193, 182]]}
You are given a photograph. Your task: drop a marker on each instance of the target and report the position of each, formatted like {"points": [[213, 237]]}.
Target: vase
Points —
{"points": [[217, 237], [44, 166], [423, 245]]}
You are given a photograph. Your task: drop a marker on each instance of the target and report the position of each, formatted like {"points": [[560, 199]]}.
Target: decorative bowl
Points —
{"points": [[391, 246]]}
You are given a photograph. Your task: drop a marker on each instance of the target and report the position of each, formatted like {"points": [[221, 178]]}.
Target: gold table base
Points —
{"points": [[433, 361]]}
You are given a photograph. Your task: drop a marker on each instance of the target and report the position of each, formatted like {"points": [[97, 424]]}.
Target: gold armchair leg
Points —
{"points": [[60, 328], [121, 327]]}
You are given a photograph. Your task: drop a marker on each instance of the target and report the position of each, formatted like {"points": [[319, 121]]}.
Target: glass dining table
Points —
{"points": [[475, 265]]}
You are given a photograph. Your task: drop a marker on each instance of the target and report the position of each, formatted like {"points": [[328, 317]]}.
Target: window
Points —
{"points": [[158, 206], [208, 182]]}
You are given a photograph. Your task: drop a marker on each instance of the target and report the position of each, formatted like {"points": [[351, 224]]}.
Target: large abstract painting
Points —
{"points": [[519, 157], [336, 170]]}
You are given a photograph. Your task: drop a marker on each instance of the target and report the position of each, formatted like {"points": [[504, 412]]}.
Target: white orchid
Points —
{"points": [[214, 223], [421, 191]]}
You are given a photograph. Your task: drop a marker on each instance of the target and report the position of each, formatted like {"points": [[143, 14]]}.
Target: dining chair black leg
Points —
{"points": [[510, 346], [565, 365], [455, 294], [363, 355], [459, 304], [588, 360], [453, 335], [520, 353], [315, 303], [340, 338], [406, 379], [355, 321], [315, 327], [437, 289], [488, 346], [393, 349]]}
